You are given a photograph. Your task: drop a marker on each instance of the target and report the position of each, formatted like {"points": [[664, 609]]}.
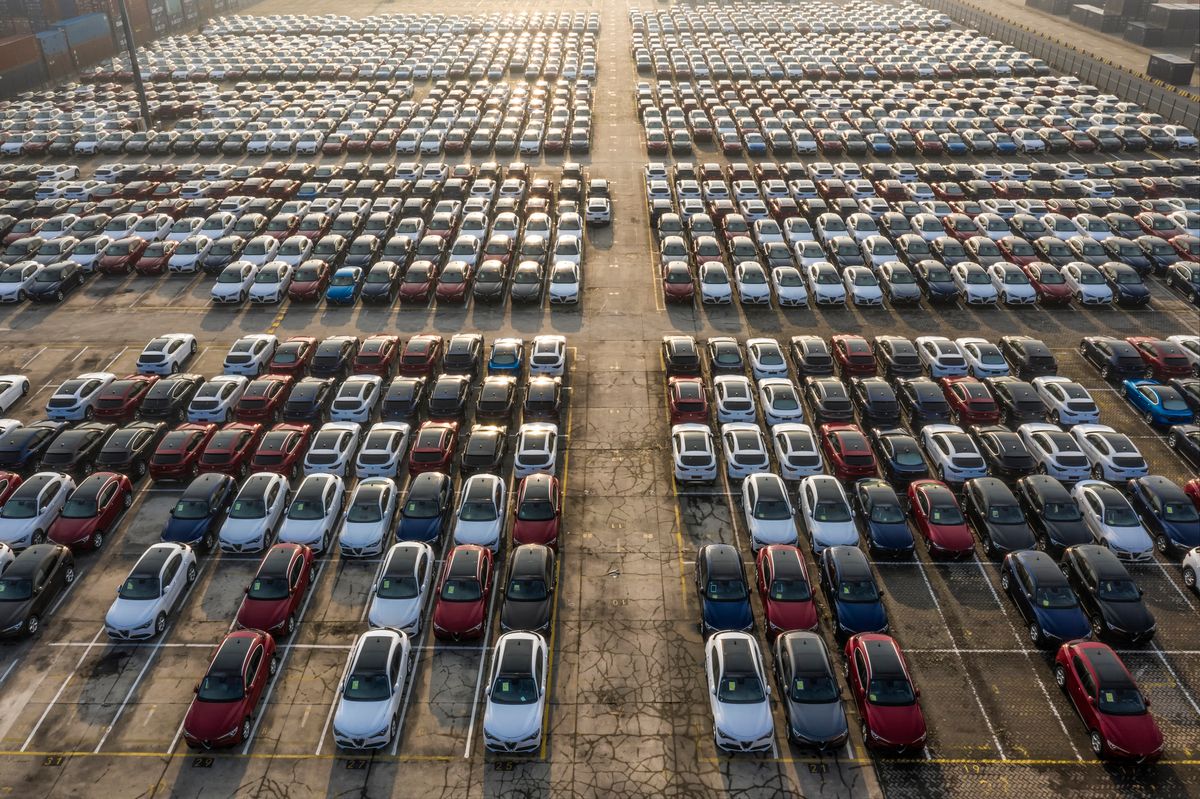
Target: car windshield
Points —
{"points": [[482, 510], [1123, 701], [526, 589], [772, 510], [421, 508], [510, 690], [401, 586], [367, 688], [740, 689], [307, 273], [726, 590], [887, 514], [368, 511], [890, 691], [945, 514], [813, 689], [1121, 516], [858, 591], [1005, 514], [536, 510], [306, 510], [1180, 512], [268, 588], [221, 687], [139, 588], [461, 589], [1118, 590], [15, 589], [1054, 596], [340, 279], [790, 589], [831, 512], [79, 508], [190, 509], [1061, 512]]}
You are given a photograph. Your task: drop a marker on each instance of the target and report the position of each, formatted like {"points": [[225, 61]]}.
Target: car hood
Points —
{"points": [[296, 531], [956, 537], [827, 534], [722, 615], [905, 290], [817, 722], [791, 615], [419, 529], [744, 722], [890, 536], [1011, 537], [210, 720], [512, 722], [358, 534], [1066, 624], [533, 615], [15, 530], [896, 724], [1066, 534], [481, 533], [184, 530], [458, 615], [12, 613], [361, 719], [1183, 534], [862, 617], [1129, 617], [1131, 539], [398, 613], [240, 531], [261, 614], [129, 614], [782, 531], [1138, 735]]}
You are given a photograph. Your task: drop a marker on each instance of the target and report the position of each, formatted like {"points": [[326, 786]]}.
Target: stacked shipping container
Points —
{"points": [[21, 66]]}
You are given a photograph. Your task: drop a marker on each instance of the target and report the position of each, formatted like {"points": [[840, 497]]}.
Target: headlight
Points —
{"points": [[13, 627], [231, 733]]}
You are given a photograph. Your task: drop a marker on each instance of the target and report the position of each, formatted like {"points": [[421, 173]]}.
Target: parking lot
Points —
{"points": [[628, 707]]}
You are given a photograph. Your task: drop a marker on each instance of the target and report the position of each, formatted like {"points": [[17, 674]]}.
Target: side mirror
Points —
{"points": [[246, 590], [768, 690], [1141, 591], [1146, 700], [881, 593]]}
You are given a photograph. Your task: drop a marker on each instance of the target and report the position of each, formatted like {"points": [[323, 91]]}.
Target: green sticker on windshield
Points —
{"points": [[258, 585], [845, 589], [386, 584], [1108, 697], [872, 697], [505, 686], [354, 684], [128, 585], [449, 589], [732, 685], [1045, 603], [799, 685]]}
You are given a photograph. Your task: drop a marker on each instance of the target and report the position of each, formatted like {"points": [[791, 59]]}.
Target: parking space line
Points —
{"points": [[332, 707], [59, 693], [78, 355], [1182, 687], [33, 358], [8, 671], [487, 636], [412, 678], [114, 359]]}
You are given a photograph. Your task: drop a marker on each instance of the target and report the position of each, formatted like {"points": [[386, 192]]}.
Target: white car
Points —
{"points": [[332, 448], [862, 287], [216, 398], [369, 518], [1113, 455], [780, 401], [382, 450], [744, 448], [250, 354], [260, 250], [371, 695], [154, 227], [1112, 520], [188, 255], [15, 280], [313, 512], [768, 511], [753, 286], [12, 388], [734, 398], [1190, 344], [1191, 568], [151, 592], [356, 399], [271, 283], [693, 453], [516, 694], [564, 284], [401, 588], [255, 513], [567, 247], [234, 283], [941, 356], [481, 512], [796, 451], [184, 229], [789, 287], [715, 286], [825, 284], [974, 283], [548, 355], [8, 425], [536, 449], [1056, 451], [166, 354], [75, 399], [738, 693], [87, 253], [1011, 284], [1068, 402], [1087, 284], [767, 358], [1184, 140], [984, 358], [294, 251], [954, 454], [29, 511], [826, 513]]}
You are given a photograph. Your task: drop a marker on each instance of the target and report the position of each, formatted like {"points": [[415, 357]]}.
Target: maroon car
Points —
{"points": [[177, 456], [91, 511], [310, 281], [434, 445], [230, 449], [263, 399], [421, 355], [119, 256], [293, 356], [460, 609], [120, 399], [538, 511], [281, 449], [222, 714], [273, 597]]}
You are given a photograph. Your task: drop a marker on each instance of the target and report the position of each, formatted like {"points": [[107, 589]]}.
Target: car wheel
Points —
{"points": [[20, 296], [194, 471], [1172, 441], [192, 348], [1106, 373], [989, 547], [160, 624], [88, 414], [191, 574], [38, 537], [1162, 544], [97, 539], [1060, 677], [246, 727], [1082, 351], [33, 624], [1035, 633], [273, 665], [865, 731], [25, 389], [394, 726], [291, 624], [1056, 418], [69, 575], [208, 542], [1098, 627], [139, 468], [1097, 473], [174, 368], [1004, 580], [58, 296], [127, 500], [1149, 417], [1189, 577], [1097, 744]]}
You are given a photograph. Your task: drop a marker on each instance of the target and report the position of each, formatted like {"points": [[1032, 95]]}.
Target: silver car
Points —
{"points": [[152, 591], [370, 697], [400, 592]]}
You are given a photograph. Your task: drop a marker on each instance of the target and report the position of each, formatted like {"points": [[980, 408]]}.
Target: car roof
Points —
{"points": [[206, 485], [374, 649], [808, 653], [516, 657], [464, 562], [884, 658], [151, 562], [277, 560], [736, 656], [1040, 566], [31, 560], [723, 559], [850, 563], [1111, 673]]}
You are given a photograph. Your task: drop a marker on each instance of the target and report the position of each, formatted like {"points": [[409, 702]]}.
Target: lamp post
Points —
{"points": [[138, 86]]}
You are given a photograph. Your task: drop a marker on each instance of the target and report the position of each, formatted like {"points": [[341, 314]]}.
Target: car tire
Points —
{"points": [[38, 537], [174, 368], [139, 468], [191, 574], [97, 540], [208, 542], [247, 727], [1189, 578], [1098, 627], [88, 414], [192, 348], [59, 296], [1106, 373], [1149, 419], [394, 726], [1097, 472], [273, 665], [290, 625], [160, 624], [866, 733], [1004, 581], [1098, 746], [1172, 441], [1035, 633], [21, 296], [127, 500], [1162, 544], [33, 624], [1060, 677]]}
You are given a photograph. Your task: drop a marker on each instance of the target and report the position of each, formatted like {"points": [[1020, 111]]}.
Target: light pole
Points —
{"points": [[138, 86]]}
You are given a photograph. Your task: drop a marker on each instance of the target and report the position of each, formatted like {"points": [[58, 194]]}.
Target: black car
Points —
{"points": [[1018, 400], [875, 401], [811, 356], [1108, 595], [55, 282], [129, 448], [403, 399], [816, 714], [527, 281], [900, 458], [334, 357], [448, 398], [168, 399], [309, 401], [1159, 254], [484, 449], [221, 253], [995, 515], [1028, 357], [680, 356], [529, 591], [1051, 512], [1184, 277], [1006, 454], [22, 249], [490, 281], [1189, 389], [543, 398], [922, 401], [1168, 512], [828, 400], [1128, 252], [935, 280], [21, 449], [855, 599], [896, 357], [725, 356], [362, 251], [31, 585], [73, 451], [497, 399], [1116, 359], [382, 283], [1126, 284], [464, 354]]}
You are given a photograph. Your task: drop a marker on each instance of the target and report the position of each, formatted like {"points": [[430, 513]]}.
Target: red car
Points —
{"points": [[1048, 282], [274, 595], [417, 283], [281, 449], [293, 356], [785, 589], [854, 355], [377, 355], [222, 714], [847, 451], [92, 511], [1017, 250], [421, 355], [120, 399], [310, 281], [970, 401], [1164, 359], [230, 449], [1191, 488], [939, 519], [539, 511], [1188, 247], [688, 400], [178, 454], [884, 693], [454, 282], [1113, 708], [119, 256], [314, 226], [677, 282], [263, 399], [500, 248], [9, 482], [153, 260], [1158, 225], [460, 610], [433, 448]]}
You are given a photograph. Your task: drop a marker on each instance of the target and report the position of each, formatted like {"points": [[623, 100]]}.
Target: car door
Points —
{"points": [[107, 506], [396, 671], [43, 589], [171, 582], [297, 580], [1023, 596], [254, 685], [1081, 689], [858, 683]]}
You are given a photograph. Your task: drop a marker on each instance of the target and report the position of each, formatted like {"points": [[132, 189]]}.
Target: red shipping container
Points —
{"points": [[17, 51]]}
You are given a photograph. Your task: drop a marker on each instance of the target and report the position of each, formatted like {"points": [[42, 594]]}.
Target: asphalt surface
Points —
{"points": [[628, 709]]}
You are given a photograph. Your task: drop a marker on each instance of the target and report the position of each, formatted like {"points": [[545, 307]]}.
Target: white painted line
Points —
{"points": [[114, 359], [79, 355], [178, 735], [412, 678], [7, 671], [1182, 688], [1182, 594], [332, 707], [63, 597], [33, 358], [487, 637], [59, 693]]}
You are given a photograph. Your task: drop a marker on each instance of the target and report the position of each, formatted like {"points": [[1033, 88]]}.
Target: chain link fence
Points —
{"points": [[1175, 105]]}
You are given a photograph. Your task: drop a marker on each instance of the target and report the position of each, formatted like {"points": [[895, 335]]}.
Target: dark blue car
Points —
{"points": [[1127, 285], [883, 518], [426, 507], [1039, 589], [197, 517], [723, 591], [22, 447], [1167, 512], [1157, 403], [853, 595]]}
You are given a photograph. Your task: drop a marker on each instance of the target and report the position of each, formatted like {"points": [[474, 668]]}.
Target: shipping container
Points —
{"points": [[1169, 68], [56, 53], [87, 53], [1178, 16], [86, 28], [1144, 34], [1132, 9], [22, 78], [17, 51]]}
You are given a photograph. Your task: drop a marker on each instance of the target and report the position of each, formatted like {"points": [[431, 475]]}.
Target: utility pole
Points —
{"points": [[138, 86]]}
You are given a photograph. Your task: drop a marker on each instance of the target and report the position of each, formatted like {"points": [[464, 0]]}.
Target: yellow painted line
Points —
{"points": [[683, 592], [278, 320], [71, 753]]}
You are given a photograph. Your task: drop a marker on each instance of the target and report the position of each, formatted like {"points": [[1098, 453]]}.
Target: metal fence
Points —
{"points": [[1175, 105]]}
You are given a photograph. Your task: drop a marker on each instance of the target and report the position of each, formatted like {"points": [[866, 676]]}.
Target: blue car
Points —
{"points": [[755, 144], [197, 517], [1127, 285], [882, 517], [1168, 513], [309, 191], [955, 145], [507, 357], [344, 286], [1004, 146], [880, 145], [853, 595], [22, 447], [1039, 589], [1159, 404], [723, 591], [426, 508]]}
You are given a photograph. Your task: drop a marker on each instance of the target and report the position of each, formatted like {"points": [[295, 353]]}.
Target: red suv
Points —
{"points": [[854, 355], [884, 693], [293, 356], [222, 714], [9, 482], [421, 355], [273, 597], [460, 610], [377, 356], [539, 511], [785, 589], [847, 451], [1113, 709], [281, 449], [1164, 359], [939, 519], [687, 399], [178, 454], [310, 281], [263, 399], [970, 401], [92, 510], [120, 399], [433, 448], [229, 450]]}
